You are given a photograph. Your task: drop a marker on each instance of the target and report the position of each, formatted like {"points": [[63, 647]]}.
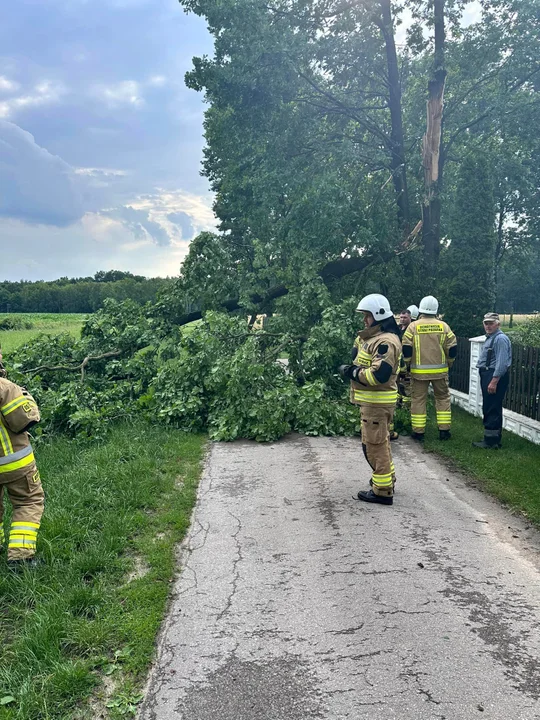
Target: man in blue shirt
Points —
{"points": [[494, 365]]}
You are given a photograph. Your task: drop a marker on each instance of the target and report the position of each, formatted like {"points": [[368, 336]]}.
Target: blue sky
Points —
{"points": [[100, 140]]}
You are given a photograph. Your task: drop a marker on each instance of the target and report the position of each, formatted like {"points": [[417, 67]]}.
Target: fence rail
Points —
{"points": [[461, 369]]}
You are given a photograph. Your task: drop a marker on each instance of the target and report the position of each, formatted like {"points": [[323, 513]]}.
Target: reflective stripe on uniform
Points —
{"points": [[14, 404], [17, 464], [444, 417], [429, 370], [5, 440], [15, 455], [419, 420], [23, 534], [383, 397], [370, 377], [382, 480]]}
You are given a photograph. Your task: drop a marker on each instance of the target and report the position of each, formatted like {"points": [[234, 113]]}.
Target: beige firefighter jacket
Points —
{"points": [[18, 412], [427, 346], [378, 355]]}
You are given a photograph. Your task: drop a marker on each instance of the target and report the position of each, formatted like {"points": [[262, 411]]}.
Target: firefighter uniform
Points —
{"points": [[19, 476], [429, 346], [375, 390]]}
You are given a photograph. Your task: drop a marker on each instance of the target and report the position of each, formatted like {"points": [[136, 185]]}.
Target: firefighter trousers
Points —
{"points": [[419, 393], [376, 423], [27, 499]]}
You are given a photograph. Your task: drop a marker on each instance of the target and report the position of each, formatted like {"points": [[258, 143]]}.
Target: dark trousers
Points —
{"points": [[492, 406]]}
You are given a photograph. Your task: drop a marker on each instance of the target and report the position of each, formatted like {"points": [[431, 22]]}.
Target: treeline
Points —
{"points": [[78, 295]]}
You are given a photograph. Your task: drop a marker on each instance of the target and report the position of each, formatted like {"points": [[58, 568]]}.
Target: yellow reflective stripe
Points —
{"points": [[26, 544], [28, 460], [25, 524], [382, 480], [407, 334], [5, 441], [370, 377], [417, 349], [383, 397], [450, 335], [8, 407], [436, 371], [16, 404]]}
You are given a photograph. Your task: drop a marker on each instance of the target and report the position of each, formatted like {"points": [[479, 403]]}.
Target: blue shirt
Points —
{"points": [[500, 359]]}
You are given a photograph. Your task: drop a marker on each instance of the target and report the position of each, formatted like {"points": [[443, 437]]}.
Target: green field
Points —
{"points": [[51, 323]]}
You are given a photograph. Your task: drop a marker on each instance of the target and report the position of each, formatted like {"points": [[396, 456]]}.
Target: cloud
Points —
{"points": [[35, 186], [127, 92], [140, 224], [7, 85], [44, 93], [184, 222]]}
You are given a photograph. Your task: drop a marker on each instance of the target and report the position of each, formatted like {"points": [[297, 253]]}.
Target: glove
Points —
{"points": [[348, 371]]}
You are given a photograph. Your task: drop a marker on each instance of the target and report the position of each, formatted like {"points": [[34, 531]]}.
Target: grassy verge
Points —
{"points": [[51, 323], [510, 474], [77, 634]]}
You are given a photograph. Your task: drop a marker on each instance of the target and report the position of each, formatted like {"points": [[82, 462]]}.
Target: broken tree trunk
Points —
{"points": [[432, 153]]}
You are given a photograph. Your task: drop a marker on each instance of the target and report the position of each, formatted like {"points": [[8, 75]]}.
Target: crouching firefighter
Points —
{"points": [[374, 388], [19, 476]]}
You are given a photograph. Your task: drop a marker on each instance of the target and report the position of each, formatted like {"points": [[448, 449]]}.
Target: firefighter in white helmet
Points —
{"points": [[429, 347], [373, 377]]}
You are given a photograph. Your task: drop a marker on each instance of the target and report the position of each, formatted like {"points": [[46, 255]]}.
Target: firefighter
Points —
{"points": [[19, 475], [373, 386], [429, 348]]}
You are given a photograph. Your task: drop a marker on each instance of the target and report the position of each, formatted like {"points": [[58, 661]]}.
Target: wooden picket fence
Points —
{"points": [[523, 395]]}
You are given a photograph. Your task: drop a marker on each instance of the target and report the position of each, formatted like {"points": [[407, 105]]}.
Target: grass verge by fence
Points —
{"points": [[50, 323], [77, 634], [510, 474]]}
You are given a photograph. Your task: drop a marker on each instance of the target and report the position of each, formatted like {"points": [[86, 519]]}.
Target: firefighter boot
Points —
{"points": [[19, 566], [444, 435], [369, 496], [486, 446], [418, 436]]}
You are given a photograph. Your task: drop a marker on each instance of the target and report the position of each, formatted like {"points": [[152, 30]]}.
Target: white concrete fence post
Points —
{"points": [[475, 390]]}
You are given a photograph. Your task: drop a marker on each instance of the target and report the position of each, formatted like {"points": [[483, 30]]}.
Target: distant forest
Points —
{"points": [[78, 295]]}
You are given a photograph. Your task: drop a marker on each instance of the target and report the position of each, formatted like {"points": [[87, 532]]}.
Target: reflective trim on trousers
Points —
{"points": [[383, 397], [383, 481]]}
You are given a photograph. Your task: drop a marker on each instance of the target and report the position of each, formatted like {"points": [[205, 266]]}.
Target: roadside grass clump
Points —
{"points": [[510, 474], [78, 633]]}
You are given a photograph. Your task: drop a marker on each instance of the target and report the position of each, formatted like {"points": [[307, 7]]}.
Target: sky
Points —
{"points": [[100, 140]]}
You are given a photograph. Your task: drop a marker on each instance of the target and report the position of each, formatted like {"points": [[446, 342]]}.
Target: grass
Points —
{"points": [[51, 323], [510, 474], [78, 633]]}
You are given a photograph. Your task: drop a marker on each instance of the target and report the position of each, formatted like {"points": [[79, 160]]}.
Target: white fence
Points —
{"points": [[512, 421]]}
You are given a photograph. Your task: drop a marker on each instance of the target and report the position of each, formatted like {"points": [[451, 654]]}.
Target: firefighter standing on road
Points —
{"points": [[430, 347], [373, 386], [19, 475]]}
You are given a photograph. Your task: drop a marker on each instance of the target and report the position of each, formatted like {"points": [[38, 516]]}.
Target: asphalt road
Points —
{"points": [[297, 601]]}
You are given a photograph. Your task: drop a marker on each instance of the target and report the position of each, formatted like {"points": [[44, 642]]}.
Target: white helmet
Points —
{"points": [[415, 312], [429, 305], [377, 305]]}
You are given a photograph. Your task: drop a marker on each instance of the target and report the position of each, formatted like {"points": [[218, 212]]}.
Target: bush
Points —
{"points": [[528, 333], [15, 323]]}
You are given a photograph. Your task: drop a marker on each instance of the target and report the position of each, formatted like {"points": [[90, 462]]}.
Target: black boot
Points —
{"points": [[22, 564], [444, 435], [418, 436], [369, 496], [486, 446], [393, 435]]}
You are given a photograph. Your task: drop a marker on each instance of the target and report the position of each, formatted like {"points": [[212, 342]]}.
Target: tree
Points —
{"points": [[468, 290]]}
